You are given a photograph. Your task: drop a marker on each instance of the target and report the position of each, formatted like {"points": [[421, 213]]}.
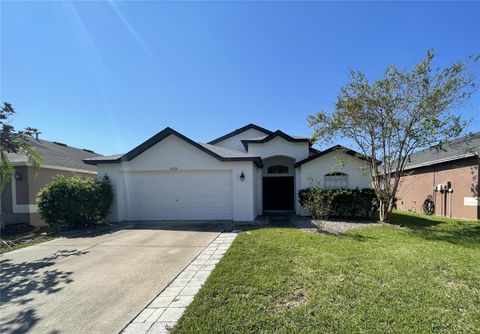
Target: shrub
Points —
{"points": [[346, 203], [316, 201], [67, 203]]}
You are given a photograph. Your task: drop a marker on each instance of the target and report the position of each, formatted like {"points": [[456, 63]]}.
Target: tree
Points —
{"points": [[12, 141], [392, 117]]}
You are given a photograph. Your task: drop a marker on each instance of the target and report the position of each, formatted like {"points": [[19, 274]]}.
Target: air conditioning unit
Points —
{"points": [[441, 187]]}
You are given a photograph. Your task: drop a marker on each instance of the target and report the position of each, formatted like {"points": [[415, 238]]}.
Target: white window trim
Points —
{"points": [[339, 181], [20, 208]]}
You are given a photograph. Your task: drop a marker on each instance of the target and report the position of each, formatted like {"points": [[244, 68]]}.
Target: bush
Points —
{"points": [[345, 203], [68, 203], [316, 201]]}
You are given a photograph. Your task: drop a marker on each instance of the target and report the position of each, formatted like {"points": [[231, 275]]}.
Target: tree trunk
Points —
{"points": [[383, 211]]}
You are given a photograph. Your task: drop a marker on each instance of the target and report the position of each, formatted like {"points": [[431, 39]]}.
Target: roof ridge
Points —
{"points": [[238, 131]]}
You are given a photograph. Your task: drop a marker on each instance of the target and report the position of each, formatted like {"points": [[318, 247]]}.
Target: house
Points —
{"points": [[447, 176], [17, 204], [237, 176]]}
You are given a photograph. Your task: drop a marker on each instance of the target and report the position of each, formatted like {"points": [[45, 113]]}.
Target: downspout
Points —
{"points": [[451, 194], [434, 193]]}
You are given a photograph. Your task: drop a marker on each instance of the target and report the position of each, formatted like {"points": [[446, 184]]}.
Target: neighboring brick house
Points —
{"points": [[450, 175], [17, 204]]}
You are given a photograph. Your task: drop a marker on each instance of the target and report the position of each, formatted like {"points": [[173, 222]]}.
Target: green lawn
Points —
{"points": [[423, 277]]}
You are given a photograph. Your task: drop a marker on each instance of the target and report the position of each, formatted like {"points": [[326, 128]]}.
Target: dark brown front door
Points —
{"points": [[278, 193]]}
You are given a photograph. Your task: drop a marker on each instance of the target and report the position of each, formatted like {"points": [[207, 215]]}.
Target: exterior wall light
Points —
{"points": [[242, 177], [18, 176]]}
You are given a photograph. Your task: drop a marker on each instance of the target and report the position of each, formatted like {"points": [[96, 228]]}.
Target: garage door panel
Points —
{"points": [[178, 195]]}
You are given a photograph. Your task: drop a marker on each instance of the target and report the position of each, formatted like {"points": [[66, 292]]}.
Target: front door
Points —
{"points": [[278, 193]]}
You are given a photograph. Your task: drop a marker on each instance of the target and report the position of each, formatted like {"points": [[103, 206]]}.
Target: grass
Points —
{"points": [[423, 277], [10, 243]]}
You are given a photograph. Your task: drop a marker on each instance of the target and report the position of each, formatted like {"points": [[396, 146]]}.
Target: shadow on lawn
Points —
{"points": [[356, 236], [20, 282], [459, 232]]}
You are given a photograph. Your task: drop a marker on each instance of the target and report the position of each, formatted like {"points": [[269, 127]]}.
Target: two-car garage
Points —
{"points": [[171, 177], [173, 195]]}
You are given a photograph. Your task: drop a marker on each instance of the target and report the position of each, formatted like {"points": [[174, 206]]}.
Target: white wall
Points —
{"points": [[333, 162], [235, 142], [173, 153], [280, 146]]}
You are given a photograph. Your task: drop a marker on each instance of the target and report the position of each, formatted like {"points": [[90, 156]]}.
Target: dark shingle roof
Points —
{"points": [[460, 148], [227, 152], [272, 135], [106, 157], [57, 154]]}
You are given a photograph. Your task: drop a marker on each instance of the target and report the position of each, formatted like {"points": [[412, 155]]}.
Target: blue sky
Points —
{"points": [[108, 75]]}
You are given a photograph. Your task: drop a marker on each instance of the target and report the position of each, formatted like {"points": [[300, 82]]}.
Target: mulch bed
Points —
{"points": [[333, 226]]}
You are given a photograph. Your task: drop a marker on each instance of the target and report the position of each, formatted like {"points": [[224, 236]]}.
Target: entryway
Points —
{"points": [[278, 193], [278, 185]]}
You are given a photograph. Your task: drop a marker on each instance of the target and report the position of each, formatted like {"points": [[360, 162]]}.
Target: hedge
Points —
{"points": [[344, 203], [75, 202]]}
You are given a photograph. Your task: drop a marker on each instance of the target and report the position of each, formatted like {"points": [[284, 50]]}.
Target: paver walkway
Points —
{"points": [[165, 310], [96, 282]]}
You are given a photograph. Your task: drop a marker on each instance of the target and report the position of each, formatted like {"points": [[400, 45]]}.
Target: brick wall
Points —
{"points": [[418, 184]]}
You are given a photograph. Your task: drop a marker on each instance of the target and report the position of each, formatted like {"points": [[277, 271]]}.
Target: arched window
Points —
{"points": [[335, 180], [278, 169]]}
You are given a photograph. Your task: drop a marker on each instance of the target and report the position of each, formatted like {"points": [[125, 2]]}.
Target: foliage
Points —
{"points": [[421, 278], [347, 203], [12, 141], [316, 201], [392, 117], [74, 202]]}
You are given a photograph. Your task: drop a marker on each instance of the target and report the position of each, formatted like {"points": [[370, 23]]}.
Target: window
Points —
{"points": [[278, 169], [335, 180]]}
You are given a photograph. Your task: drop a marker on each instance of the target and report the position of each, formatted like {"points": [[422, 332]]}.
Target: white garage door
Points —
{"points": [[178, 195]]}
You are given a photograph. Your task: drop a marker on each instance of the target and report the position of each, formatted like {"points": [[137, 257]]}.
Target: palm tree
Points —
{"points": [[12, 141]]}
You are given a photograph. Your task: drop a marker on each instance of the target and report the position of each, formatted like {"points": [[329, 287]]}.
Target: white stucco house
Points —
{"points": [[237, 177]]}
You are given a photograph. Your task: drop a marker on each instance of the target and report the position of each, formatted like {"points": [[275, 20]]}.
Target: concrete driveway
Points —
{"points": [[96, 283]]}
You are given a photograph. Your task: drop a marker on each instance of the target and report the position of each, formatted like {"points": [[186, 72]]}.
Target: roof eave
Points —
{"points": [[440, 161], [159, 137], [339, 148], [273, 135], [238, 131]]}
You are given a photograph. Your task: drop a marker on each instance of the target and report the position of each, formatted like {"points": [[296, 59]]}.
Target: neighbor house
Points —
{"points": [[18, 196], [237, 176], [447, 176]]}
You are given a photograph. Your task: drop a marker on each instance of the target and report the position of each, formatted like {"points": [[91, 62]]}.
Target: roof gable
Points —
{"points": [[333, 149], [222, 155], [238, 131], [275, 134]]}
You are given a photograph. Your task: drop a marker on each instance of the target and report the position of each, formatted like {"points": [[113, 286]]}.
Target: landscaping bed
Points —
{"points": [[419, 276], [12, 241], [22, 235]]}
